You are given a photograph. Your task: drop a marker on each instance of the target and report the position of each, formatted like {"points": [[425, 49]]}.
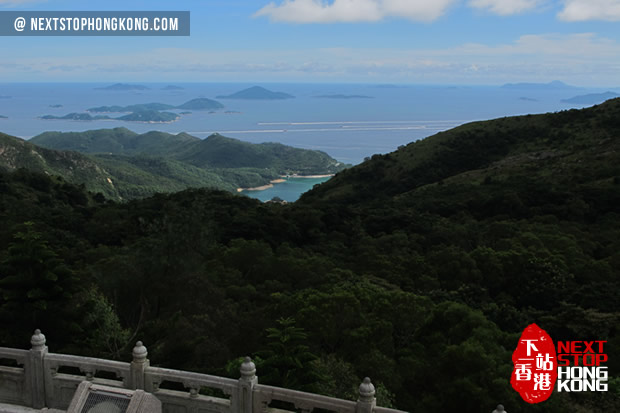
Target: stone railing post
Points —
{"points": [[245, 389], [35, 371], [139, 364], [367, 401]]}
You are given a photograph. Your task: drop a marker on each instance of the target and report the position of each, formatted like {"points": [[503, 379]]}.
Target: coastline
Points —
{"points": [[283, 178], [308, 176]]}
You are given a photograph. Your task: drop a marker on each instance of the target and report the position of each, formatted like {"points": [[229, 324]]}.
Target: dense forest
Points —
{"points": [[418, 268]]}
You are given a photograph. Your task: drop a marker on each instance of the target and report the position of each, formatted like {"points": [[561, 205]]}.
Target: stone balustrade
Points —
{"points": [[36, 378]]}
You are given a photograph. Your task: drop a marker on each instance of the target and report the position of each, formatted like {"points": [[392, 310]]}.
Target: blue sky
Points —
{"points": [[365, 41]]}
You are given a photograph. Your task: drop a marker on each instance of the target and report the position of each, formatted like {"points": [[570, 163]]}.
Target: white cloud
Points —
{"points": [[348, 11], [580, 10], [505, 7], [582, 58]]}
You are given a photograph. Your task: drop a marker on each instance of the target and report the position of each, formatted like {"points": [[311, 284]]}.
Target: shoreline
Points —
{"points": [[283, 178], [308, 176]]}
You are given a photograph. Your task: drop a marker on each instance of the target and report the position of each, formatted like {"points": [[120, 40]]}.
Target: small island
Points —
{"points": [[554, 85], [201, 104], [526, 99], [172, 87], [122, 87], [146, 116], [56, 106], [194, 104], [591, 98], [344, 97], [76, 116], [150, 116], [3, 117], [257, 93], [131, 108]]}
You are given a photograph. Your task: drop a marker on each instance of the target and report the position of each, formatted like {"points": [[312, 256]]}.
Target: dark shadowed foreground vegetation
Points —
{"points": [[418, 268]]}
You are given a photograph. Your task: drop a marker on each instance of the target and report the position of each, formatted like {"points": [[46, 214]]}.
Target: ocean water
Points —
{"points": [[347, 129], [288, 191]]}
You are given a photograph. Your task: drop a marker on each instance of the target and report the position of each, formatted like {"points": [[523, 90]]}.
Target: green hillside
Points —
{"points": [[554, 147], [123, 165], [74, 167], [216, 151], [117, 141], [222, 152]]}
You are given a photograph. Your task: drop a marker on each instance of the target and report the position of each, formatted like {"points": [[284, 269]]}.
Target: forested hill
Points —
{"points": [[123, 165], [117, 141], [216, 151], [569, 147], [419, 269]]}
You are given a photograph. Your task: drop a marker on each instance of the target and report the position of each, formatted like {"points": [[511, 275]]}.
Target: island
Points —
{"points": [[121, 87], [150, 116], [201, 104], [591, 98], [172, 87], [526, 99], [194, 104], [344, 97], [554, 85], [256, 93], [56, 106], [3, 117], [146, 116], [75, 116], [131, 108]]}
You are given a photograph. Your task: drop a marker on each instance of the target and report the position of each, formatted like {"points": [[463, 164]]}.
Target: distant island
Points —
{"points": [[123, 87], [257, 93], [201, 104], [194, 104], [528, 99], [56, 106], [146, 116], [555, 85], [3, 117], [75, 116], [172, 87], [150, 116], [5, 97], [388, 86], [591, 98], [345, 97]]}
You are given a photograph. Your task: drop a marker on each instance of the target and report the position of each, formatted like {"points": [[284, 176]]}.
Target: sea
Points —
{"points": [[348, 129]]}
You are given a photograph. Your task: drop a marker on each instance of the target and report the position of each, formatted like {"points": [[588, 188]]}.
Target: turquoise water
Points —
{"points": [[289, 191]]}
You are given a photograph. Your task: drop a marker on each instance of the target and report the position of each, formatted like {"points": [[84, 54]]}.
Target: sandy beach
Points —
{"points": [[256, 188], [307, 176], [279, 181]]}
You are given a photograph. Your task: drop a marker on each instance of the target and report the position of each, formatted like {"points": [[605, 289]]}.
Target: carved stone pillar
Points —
{"points": [[138, 366], [35, 369], [246, 387], [367, 401]]}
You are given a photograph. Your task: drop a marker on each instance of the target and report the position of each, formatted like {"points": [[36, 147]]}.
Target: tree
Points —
{"points": [[287, 359], [35, 284]]}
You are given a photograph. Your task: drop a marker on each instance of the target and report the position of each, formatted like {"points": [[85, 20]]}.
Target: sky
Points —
{"points": [[460, 42]]}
